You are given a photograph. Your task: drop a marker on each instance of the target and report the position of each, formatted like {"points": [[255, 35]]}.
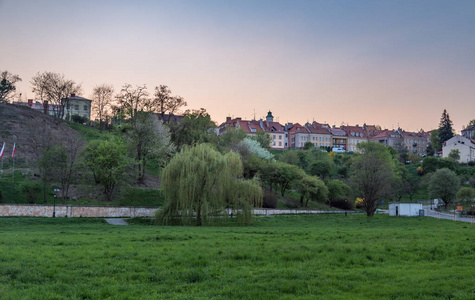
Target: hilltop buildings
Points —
{"points": [[295, 136]]}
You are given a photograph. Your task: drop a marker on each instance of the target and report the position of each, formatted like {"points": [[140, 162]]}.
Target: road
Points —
{"points": [[435, 214]]}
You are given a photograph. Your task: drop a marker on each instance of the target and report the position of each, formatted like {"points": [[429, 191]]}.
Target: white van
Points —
{"points": [[338, 150]]}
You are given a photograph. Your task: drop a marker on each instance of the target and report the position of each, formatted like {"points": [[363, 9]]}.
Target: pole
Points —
{"points": [[54, 205], [1, 169], [13, 174]]}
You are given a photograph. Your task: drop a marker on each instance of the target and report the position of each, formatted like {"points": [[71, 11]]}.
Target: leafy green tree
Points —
{"points": [[108, 161], [149, 139], [444, 185], [466, 194], [199, 183], [290, 157], [195, 128], [435, 140], [373, 171], [454, 154], [321, 168], [308, 146], [263, 138], [337, 189], [471, 123], [31, 189], [446, 131], [281, 175], [7, 85], [311, 188], [230, 140]]}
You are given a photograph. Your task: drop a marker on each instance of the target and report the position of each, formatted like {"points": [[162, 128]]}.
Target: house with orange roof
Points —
{"points": [[251, 127], [297, 135], [320, 135], [356, 135], [339, 138], [415, 142], [388, 138]]}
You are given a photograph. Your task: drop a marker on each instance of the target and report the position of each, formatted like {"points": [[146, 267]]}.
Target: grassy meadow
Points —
{"points": [[284, 257]]}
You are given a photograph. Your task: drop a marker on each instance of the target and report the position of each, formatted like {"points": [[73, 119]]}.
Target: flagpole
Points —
{"points": [[1, 155], [13, 158], [1, 170]]}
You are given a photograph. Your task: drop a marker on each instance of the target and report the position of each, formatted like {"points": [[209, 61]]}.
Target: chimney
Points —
{"points": [[30, 102], [228, 119], [238, 119], [73, 95]]}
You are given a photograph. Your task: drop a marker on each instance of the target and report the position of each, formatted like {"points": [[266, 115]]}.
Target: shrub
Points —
{"points": [[471, 163], [341, 204], [78, 119], [269, 200], [31, 189], [359, 202]]}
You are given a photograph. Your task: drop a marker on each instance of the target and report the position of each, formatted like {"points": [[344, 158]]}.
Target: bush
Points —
{"points": [[31, 189], [341, 204], [359, 202], [471, 163], [269, 200], [78, 119]]}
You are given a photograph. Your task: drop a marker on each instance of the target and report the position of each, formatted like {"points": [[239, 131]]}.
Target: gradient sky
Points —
{"points": [[381, 62]]}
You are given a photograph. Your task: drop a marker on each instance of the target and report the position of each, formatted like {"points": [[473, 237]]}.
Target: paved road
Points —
{"points": [[116, 221], [435, 214]]}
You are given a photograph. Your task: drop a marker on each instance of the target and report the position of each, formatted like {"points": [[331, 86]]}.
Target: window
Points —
{"points": [[280, 143], [280, 137], [85, 107], [273, 136], [76, 107]]}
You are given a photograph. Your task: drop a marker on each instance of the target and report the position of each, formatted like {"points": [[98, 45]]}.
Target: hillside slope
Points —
{"points": [[30, 130]]}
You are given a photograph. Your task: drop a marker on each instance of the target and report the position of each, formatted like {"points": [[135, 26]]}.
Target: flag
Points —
{"points": [[3, 150], [13, 152]]}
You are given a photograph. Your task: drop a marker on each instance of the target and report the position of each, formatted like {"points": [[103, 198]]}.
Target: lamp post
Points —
{"points": [[54, 202]]}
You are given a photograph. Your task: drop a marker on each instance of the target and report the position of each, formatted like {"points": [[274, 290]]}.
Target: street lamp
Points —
{"points": [[54, 202]]}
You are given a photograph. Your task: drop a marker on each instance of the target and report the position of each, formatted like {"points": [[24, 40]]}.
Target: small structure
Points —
{"points": [[404, 209]]}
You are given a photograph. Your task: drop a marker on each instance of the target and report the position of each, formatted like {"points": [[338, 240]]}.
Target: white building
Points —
{"points": [[465, 146], [404, 209]]}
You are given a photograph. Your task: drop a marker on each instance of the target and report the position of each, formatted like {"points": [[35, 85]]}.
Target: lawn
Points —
{"points": [[286, 257]]}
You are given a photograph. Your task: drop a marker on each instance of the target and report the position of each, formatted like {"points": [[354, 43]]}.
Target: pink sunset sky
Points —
{"points": [[381, 62]]}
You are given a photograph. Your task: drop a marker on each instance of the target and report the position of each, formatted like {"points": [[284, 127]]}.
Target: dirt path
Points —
{"points": [[116, 221]]}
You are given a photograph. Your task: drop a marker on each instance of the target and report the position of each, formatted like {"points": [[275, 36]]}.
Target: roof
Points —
{"points": [[317, 128], [338, 132], [252, 126], [77, 98], [355, 131]]}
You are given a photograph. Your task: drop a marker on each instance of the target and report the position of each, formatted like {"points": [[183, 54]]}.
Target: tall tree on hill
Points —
{"points": [[101, 105], [195, 128], [7, 85], [132, 100], [373, 171], [163, 102], [56, 89], [149, 139], [446, 131]]}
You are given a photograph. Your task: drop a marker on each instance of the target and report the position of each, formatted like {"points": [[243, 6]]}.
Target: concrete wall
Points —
{"points": [[31, 210], [75, 211]]}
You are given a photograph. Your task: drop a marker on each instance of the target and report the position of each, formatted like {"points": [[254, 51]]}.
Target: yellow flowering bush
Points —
{"points": [[359, 202]]}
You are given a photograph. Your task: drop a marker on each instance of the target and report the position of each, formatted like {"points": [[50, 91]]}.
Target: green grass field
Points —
{"points": [[285, 257]]}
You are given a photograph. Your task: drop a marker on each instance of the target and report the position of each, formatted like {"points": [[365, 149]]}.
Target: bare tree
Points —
{"points": [[163, 102], [56, 89], [132, 100], [7, 85], [101, 105]]}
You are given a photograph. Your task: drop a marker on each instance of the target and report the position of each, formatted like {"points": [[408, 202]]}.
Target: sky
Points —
{"points": [[390, 63]]}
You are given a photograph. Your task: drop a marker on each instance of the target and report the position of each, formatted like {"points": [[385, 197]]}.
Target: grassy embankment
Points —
{"points": [[306, 257]]}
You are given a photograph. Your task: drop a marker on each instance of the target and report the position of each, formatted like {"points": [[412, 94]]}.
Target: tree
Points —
{"points": [[337, 189], [471, 123], [7, 85], [108, 162], [466, 194], [445, 128], [454, 154], [132, 100], [435, 141], [149, 139], [444, 185], [280, 174], [290, 157], [308, 146], [255, 148], [263, 138], [101, 105], [163, 102], [230, 140], [199, 183], [311, 188], [196, 127], [56, 89], [321, 168], [372, 174]]}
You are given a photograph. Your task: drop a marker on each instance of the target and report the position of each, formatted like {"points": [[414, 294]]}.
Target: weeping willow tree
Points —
{"points": [[201, 185]]}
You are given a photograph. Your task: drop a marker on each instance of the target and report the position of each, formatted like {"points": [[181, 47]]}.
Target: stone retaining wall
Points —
{"points": [[31, 210], [75, 211]]}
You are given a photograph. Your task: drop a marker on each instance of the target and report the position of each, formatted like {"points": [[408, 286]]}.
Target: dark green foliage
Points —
{"points": [[78, 119], [308, 146], [337, 190], [341, 204], [444, 185], [269, 199], [31, 189], [7, 85], [108, 162], [446, 131], [263, 138], [135, 196], [321, 168], [195, 128]]}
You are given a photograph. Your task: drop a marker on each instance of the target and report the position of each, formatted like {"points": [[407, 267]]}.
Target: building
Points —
{"points": [[356, 135], [297, 135], [77, 106], [405, 209], [320, 135], [339, 138], [469, 132], [388, 138], [415, 142], [465, 146], [250, 127]]}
